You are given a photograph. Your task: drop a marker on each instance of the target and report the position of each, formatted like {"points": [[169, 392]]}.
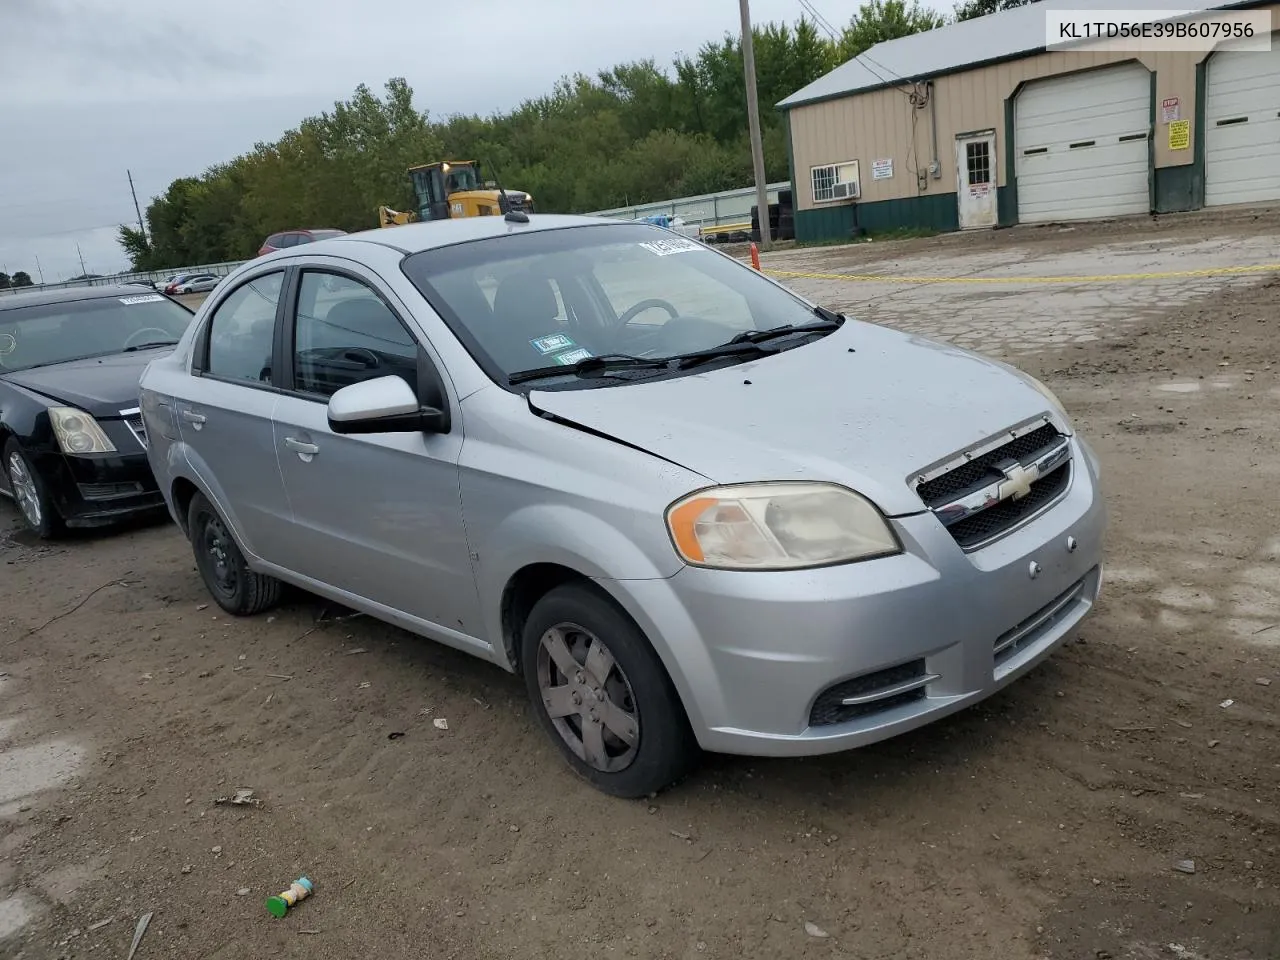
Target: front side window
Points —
{"points": [[242, 331], [44, 334], [528, 301], [345, 333]]}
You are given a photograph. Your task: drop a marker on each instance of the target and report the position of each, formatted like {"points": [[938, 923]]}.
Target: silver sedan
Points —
{"points": [[691, 509]]}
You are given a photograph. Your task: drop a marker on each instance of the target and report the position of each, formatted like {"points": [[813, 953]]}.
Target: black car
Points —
{"points": [[74, 446]]}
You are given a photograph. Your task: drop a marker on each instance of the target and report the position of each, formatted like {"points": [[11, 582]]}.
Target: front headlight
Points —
{"points": [[778, 526], [78, 432]]}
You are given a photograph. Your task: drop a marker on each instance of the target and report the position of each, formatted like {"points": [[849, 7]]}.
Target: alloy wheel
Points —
{"points": [[24, 489], [588, 697]]}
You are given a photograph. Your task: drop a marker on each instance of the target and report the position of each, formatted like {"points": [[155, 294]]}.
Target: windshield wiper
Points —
{"points": [[589, 366], [684, 361], [151, 345], [829, 321]]}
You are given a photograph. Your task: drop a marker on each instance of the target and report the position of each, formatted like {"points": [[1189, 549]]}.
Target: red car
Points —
{"points": [[291, 238]]}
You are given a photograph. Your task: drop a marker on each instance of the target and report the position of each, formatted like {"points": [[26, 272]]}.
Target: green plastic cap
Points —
{"points": [[277, 906]]}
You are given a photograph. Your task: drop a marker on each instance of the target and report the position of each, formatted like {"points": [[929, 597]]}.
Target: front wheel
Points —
{"points": [[227, 577], [30, 494], [601, 693]]}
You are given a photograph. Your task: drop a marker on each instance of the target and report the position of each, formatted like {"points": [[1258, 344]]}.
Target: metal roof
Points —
{"points": [[12, 301], [969, 43]]}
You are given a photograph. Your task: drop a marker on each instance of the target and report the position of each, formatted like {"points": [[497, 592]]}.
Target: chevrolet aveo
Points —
{"points": [[692, 510]]}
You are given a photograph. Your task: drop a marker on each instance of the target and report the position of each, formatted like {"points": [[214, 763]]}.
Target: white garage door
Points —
{"points": [[1081, 147], [1242, 128]]}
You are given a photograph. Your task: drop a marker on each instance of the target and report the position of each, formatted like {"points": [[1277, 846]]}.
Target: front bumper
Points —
{"points": [[756, 656], [90, 491]]}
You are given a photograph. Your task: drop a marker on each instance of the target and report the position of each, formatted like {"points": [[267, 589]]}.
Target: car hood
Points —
{"points": [[102, 386], [866, 406]]}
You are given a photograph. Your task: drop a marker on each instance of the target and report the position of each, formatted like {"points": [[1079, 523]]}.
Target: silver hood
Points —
{"points": [[867, 407]]}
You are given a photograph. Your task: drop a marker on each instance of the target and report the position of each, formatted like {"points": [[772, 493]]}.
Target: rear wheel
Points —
{"points": [[30, 493], [235, 588], [601, 693]]}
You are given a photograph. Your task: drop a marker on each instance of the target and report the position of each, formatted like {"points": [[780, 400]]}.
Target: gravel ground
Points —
{"points": [[1044, 823]]}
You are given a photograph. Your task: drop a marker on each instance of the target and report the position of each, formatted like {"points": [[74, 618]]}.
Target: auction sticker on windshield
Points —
{"points": [[665, 248], [143, 298], [572, 356], [552, 343]]}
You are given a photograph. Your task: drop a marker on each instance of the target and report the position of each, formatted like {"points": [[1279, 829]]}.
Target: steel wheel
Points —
{"points": [[25, 491], [588, 697], [216, 544]]}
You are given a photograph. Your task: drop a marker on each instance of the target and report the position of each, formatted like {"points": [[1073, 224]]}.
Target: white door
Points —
{"points": [[1242, 127], [1081, 145], [976, 180]]}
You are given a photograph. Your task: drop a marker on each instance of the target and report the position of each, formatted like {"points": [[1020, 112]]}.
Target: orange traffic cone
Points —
{"points": [[755, 255]]}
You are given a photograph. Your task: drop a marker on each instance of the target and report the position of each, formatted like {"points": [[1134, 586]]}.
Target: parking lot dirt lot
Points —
{"points": [[1048, 822]]}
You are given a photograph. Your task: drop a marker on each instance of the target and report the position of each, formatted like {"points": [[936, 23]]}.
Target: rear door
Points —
{"points": [[376, 515], [225, 419]]}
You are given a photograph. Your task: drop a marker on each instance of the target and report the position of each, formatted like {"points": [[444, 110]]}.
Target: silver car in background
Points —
{"points": [[691, 509]]}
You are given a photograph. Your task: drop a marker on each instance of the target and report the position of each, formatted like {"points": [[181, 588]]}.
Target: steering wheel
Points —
{"points": [[164, 335], [644, 305]]}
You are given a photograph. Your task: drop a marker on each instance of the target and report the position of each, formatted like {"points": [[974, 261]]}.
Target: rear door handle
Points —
{"points": [[301, 447], [195, 419]]}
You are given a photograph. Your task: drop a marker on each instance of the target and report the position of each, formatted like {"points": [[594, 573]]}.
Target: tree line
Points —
{"points": [[635, 133], [20, 278]]}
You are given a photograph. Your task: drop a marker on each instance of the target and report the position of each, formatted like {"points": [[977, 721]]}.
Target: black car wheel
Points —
{"points": [[235, 588], [30, 493], [601, 693]]}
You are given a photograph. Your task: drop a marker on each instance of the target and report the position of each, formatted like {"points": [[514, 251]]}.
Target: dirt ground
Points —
{"points": [[1044, 823]]}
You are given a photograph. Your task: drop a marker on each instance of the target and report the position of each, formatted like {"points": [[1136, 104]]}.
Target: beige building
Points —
{"points": [[977, 124]]}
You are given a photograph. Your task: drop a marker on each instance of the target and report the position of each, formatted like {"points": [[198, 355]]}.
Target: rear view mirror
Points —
{"points": [[383, 405]]}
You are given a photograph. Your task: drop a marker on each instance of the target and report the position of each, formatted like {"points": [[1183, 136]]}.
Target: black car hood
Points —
{"points": [[102, 386]]}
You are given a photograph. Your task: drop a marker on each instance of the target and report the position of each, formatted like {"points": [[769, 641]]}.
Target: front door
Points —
{"points": [[377, 515], [976, 180]]}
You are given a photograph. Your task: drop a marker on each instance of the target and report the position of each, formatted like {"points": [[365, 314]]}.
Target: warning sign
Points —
{"points": [[1171, 108], [1179, 134]]}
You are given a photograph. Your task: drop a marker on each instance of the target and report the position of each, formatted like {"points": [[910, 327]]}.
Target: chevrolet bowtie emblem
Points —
{"points": [[1017, 481]]}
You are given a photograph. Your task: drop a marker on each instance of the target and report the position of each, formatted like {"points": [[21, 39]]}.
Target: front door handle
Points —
{"points": [[303, 449]]}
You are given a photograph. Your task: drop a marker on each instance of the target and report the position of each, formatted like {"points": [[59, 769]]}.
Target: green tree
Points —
{"points": [[879, 20], [980, 8], [5, 281], [136, 247], [22, 279]]}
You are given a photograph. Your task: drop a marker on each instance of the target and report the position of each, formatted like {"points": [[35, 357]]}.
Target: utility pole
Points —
{"points": [[136, 208], [40, 270], [753, 117], [83, 268]]}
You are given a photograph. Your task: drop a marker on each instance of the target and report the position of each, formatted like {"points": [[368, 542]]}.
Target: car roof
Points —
{"points": [[12, 301], [433, 234]]}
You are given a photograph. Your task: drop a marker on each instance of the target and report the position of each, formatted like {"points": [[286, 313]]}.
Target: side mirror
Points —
{"points": [[383, 405]]}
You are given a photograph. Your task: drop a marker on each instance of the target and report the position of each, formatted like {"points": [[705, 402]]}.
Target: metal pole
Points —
{"points": [[753, 117], [40, 270], [83, 268], [136, 208]]}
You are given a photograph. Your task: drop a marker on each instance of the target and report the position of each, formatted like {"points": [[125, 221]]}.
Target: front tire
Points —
{"points": [[227, 577], [30, 493], [603, 696]]}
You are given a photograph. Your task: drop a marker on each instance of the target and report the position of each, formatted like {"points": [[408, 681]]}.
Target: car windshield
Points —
{"points": [[48, 333], [532, 300]]}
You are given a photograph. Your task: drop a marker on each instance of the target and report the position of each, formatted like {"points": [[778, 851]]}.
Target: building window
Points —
{"points": [[835, 181], [978, 161]]}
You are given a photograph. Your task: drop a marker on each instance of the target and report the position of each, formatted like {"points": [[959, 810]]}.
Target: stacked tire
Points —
{"points": [[782, 224]]}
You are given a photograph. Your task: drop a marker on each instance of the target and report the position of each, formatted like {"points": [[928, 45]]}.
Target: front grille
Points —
{"points": [[829, 708], [982, 470], [995, 520], [137, 427], [105, 491]]}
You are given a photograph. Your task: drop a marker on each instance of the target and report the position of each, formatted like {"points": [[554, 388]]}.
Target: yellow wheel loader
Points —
{"points": [[453, 189]]}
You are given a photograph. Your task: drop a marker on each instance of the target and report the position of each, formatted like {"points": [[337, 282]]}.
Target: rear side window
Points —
{"points": [[242, 331]]}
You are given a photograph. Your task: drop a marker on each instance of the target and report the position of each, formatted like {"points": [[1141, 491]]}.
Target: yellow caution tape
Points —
{"points": [[1099, 278]]}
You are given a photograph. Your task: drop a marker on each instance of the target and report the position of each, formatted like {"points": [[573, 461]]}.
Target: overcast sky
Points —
{"points": [[93, 88]]}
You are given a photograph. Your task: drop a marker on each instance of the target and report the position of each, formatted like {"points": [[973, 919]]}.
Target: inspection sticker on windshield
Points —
{"points": [[570, 357], [144, 298], [665, 248], [552, 343]]}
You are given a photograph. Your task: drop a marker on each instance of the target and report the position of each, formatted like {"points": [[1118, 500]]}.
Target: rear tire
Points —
{"points": [[30, 494], [227, 577], [603, 696]]}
